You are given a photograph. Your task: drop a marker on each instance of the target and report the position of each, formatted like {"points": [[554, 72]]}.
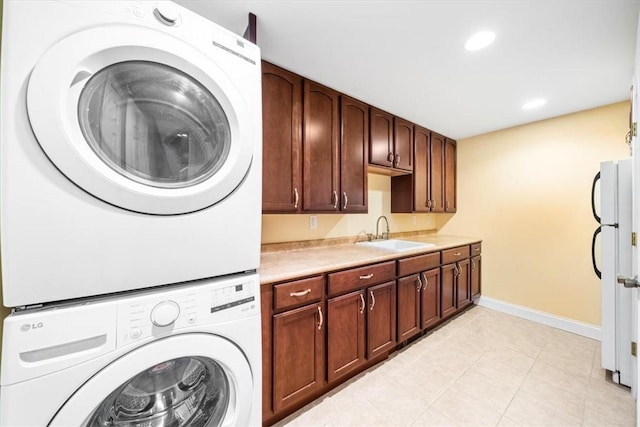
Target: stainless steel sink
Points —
{"points": [[395, 245]]}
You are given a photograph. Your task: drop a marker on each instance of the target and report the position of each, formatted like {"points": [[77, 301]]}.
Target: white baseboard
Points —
{"points": [[573, 326]]}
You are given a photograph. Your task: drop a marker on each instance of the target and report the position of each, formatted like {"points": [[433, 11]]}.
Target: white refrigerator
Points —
{"points": [[615, 199]]}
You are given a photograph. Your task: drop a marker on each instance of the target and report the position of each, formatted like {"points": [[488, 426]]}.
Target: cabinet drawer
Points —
{"points": [[476, 249], [455, 254], [358, 278], [417, 264], [299, 292]]}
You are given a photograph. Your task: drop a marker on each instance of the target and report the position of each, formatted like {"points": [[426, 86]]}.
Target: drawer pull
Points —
{"points": [[457, 254], [368, 276], [476, 249], [300, 293]]}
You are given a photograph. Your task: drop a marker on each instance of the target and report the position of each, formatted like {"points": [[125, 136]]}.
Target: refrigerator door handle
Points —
{"points": [[593, 252], [593, 199]]}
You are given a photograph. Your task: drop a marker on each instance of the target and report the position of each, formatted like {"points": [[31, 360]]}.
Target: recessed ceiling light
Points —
{"points": [[480, 40], [534, 103]]}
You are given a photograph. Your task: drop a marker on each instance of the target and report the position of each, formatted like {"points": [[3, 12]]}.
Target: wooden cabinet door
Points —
{"points": [[476, 276], [381, 319], [345, 334], [450, 162], [381, 138], [320, 149], [448, 290], [430, 296], [437, 172], [408, 307], [354, 157], [403, 144], [281, 140], [464, 283], [298, 355], [421, 169]]}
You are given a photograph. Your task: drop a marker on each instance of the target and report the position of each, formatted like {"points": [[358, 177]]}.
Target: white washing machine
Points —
{"points": [[130, 149], [186, 355]]}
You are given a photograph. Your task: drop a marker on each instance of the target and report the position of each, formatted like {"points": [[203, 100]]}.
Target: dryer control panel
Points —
{"points": [[157, 313]]}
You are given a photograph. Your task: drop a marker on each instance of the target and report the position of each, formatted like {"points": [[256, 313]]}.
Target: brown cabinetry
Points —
{"points": [[448, 290], [354, 148], [381, 319], [381, 150], [476, 270], [437, 203], [281, 140], [450, 173], [298, 355], [320, 147], [418, 294], [456, 279], [346, 321], [403, 144]]}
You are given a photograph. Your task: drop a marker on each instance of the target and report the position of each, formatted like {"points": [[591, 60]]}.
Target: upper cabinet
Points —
{"points": [[354, 150], [381, 142], [403, 144], [320, 145], [432, 187], [281, 140], [391, 142], [450, 174]]}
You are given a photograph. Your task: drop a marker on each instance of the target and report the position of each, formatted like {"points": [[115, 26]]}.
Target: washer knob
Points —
{"points": [[165, 313], [166, 13]]}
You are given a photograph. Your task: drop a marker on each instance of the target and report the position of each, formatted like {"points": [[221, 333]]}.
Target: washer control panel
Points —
{"points": [[161, 312]]}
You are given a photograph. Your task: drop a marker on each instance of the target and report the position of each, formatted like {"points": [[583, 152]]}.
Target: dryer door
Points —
{"points": [[184, 380], [143, 120]]}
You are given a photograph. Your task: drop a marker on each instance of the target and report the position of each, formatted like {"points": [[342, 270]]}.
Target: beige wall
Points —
{"points": [[286, 228], [526, 192]]}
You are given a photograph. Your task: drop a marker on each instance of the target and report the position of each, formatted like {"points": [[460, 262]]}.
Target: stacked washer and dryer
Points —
{"points": [[130, 183]]}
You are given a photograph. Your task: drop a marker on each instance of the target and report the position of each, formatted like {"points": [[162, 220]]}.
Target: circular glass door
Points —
{"points": [[154, 124], [145, 121], [195, 380], [187, 391]]}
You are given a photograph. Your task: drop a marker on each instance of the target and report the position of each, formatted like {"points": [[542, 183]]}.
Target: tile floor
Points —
{"points": [[483, 368]]}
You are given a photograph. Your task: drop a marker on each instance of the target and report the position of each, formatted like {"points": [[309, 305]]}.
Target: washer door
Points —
{"points": [[191, 380], [141, 120]]}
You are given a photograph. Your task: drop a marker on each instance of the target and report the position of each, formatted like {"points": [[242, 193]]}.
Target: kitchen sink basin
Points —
{"points": [[396, 245]]}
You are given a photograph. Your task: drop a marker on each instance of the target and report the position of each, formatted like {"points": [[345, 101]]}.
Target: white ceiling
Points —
{"points": [[407, 57]]}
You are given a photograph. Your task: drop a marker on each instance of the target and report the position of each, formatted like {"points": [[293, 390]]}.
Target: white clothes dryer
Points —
{"points": [[186, 355], [130, 149]]}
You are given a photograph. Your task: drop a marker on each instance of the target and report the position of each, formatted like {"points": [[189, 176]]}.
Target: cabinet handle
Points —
{"points": [[477, 249], [335, 200], [433, 203], [346, 200], [457, 272], [390, 157], [419, 283], [300, 293], [364, 304], [456, 254], [296, 198], [321, 321], [368, 276], [373, 300], [448, 204], [473, 266], [397, 159], [426, 281], [428, 204]]}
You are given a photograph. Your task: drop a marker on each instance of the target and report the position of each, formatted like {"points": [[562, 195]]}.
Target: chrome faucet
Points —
{"points": [[384, 235]]}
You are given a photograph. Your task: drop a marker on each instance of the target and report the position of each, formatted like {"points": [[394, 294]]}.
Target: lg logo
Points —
{"points": [[29, 326]]}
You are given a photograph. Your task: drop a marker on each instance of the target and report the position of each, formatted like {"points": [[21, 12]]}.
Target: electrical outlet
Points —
{"points": [[313, 222]]}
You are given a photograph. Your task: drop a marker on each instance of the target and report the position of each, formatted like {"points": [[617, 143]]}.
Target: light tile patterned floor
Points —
{"points": [[483, 368]]}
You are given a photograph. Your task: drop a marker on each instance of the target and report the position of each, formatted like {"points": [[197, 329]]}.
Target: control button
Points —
{"points": [[139, 13], [167, 13], [191, 318], [165, 313], [135, 333]]}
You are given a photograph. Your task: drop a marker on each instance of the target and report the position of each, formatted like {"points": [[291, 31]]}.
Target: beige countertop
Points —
{"points": [[292, 264]]}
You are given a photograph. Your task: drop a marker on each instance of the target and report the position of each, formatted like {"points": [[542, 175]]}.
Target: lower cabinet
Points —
{"points": [[346, 321], [298, 354], [319, 331], [381, 319]]}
